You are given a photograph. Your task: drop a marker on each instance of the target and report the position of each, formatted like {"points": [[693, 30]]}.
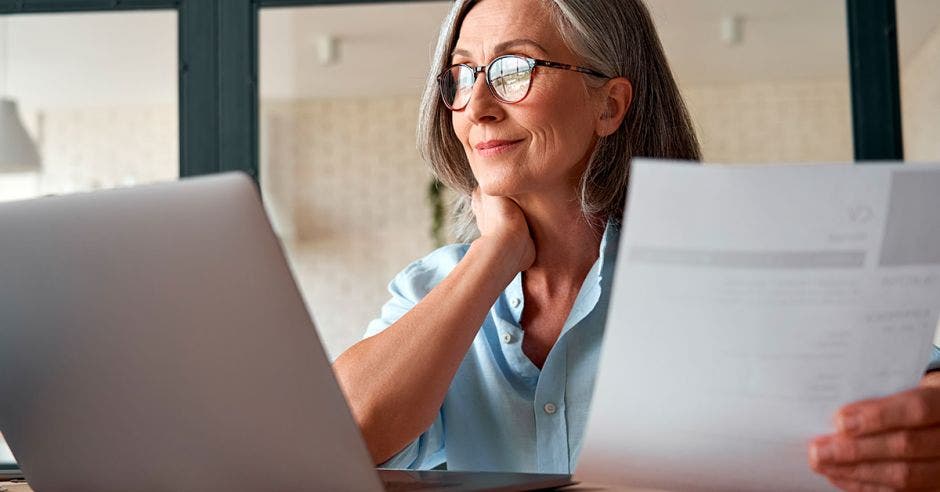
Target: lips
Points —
{"points": [[489, 144], [494, 147]]}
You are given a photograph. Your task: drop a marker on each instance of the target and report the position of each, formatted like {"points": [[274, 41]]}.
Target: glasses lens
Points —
{"points": [[510, 77], [456, 86]]}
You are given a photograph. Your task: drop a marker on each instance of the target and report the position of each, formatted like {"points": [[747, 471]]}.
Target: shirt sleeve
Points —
{"points": [[407, 289], [935, 360]]}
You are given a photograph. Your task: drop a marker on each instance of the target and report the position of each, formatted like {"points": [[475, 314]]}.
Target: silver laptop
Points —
{"points": [[153, 339]]}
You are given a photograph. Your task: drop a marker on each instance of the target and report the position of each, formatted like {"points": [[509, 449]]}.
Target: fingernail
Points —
{"points": [[848, 424], [822, 453]]}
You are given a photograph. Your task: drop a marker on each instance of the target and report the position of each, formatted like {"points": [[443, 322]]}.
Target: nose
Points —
{"points": [[483, 107]]}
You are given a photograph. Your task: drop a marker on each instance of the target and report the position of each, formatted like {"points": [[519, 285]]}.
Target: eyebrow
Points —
{"points": [[502, 47]]}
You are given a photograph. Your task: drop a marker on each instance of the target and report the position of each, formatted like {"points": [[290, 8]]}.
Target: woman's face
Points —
{"points": [[547, 137]]}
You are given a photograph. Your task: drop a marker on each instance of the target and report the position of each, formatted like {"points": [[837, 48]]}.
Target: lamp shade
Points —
{"points": [[18, 153]]}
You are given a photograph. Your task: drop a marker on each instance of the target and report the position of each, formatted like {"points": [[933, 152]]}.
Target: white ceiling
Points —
{"points": [[91, 59], [383, 48], [123, 58], [782, 40]]}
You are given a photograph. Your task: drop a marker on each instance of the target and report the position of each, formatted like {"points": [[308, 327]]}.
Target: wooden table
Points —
{"points": [[14, 487]]}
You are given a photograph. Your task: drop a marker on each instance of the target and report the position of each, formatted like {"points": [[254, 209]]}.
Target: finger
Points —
{"points": [[919, 407], [853, 486], [893, 445], [901, 475], [931, 379]]}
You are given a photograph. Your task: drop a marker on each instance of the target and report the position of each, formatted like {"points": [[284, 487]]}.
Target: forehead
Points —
{"points": [[490, 22]]}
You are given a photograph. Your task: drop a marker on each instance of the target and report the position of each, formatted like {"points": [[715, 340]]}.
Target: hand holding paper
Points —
{"points": [[750, 304], [892, 442]]}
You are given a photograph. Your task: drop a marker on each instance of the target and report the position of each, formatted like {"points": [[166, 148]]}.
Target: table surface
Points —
{"points": [[581, 487]]}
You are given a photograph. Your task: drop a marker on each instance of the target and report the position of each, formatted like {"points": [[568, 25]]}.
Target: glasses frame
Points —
{"points": [[532, 62]]}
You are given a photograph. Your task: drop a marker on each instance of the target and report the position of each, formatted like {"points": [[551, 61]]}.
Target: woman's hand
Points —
{"points": [[501, 221], [890, 443]]}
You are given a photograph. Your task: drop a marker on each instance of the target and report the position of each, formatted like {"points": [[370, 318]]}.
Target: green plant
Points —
{"points": [[436, 201]]}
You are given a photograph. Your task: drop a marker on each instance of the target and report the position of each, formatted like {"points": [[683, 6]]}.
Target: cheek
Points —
{"points": [[562, 133], [461, 129]]}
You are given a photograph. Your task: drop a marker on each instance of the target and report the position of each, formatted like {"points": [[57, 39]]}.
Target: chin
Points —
{"points": [[501, 180], [500, 187]]}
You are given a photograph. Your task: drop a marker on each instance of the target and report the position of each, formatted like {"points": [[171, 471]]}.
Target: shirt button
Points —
{"points": [[507, 338], [516, 302], [550, 408]]}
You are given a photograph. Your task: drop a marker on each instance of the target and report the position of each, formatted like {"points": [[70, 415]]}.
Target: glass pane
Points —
{"points": [[343, 183], [919, 52], [765, 81], [89, 101], [6, 457], [919, 64], [95, 94]]}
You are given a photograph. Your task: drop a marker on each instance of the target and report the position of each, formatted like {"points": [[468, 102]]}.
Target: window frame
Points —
{"points": [[219, 93], [218, 88]]}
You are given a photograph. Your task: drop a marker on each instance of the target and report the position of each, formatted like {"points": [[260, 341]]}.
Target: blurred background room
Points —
{"points": [[91, 100]]}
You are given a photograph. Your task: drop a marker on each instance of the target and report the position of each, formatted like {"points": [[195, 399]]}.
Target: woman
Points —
{"points": [[486, 354]]}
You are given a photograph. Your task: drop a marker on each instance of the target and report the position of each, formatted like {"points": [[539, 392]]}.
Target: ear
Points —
{"points": [[617, 95]]}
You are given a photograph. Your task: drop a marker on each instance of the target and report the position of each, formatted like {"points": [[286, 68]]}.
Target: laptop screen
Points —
{"points": [[6, 456]]}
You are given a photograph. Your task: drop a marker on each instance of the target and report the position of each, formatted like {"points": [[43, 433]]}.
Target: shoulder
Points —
{"points": [[423, 274]]}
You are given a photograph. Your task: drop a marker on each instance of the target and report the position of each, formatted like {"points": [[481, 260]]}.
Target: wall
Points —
{"points": [[347, 190], [344, 184], [920, 102], [773, 121], [92, 148]]}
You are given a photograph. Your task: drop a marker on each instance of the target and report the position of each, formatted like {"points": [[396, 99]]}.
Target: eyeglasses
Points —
{"points": [[508, 77]]}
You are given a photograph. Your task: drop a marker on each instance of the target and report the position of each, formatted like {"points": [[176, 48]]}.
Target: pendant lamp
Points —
{"points": [[18, 153]]}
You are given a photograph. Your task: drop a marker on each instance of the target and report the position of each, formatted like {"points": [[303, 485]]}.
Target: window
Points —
{"points": [[765, 81], [342, 181], [919, 64], [99, 113]]}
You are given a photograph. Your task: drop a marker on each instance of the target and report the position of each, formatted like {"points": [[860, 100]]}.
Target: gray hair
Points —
{"points": [[615, 37]]}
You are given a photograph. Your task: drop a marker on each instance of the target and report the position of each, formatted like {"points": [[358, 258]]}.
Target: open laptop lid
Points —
{"points": [[153, 339]]}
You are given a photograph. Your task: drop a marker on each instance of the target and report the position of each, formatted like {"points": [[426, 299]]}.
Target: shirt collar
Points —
{"points": [[591, 288]]}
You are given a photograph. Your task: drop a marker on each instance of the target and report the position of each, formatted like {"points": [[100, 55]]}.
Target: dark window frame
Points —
{"points": [[218, 74], [875, 74]]}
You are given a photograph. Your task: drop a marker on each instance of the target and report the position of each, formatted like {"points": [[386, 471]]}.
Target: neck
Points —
{"points": [[566, 242]]}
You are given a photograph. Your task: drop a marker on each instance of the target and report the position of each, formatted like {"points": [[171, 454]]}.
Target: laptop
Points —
{"points": [[153, 339]]}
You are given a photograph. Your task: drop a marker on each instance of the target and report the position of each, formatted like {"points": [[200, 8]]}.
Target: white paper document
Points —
{"points": [[750, 303]]}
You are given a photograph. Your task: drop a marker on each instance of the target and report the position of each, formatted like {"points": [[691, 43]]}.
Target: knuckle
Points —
{"points": [[918, 407], [849, 486], [852, 471], [904, 444], [846, 450], [901, 474], [876, 418]]}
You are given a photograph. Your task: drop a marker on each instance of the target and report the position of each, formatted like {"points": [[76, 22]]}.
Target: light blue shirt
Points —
{"points": [[501, 412]]}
